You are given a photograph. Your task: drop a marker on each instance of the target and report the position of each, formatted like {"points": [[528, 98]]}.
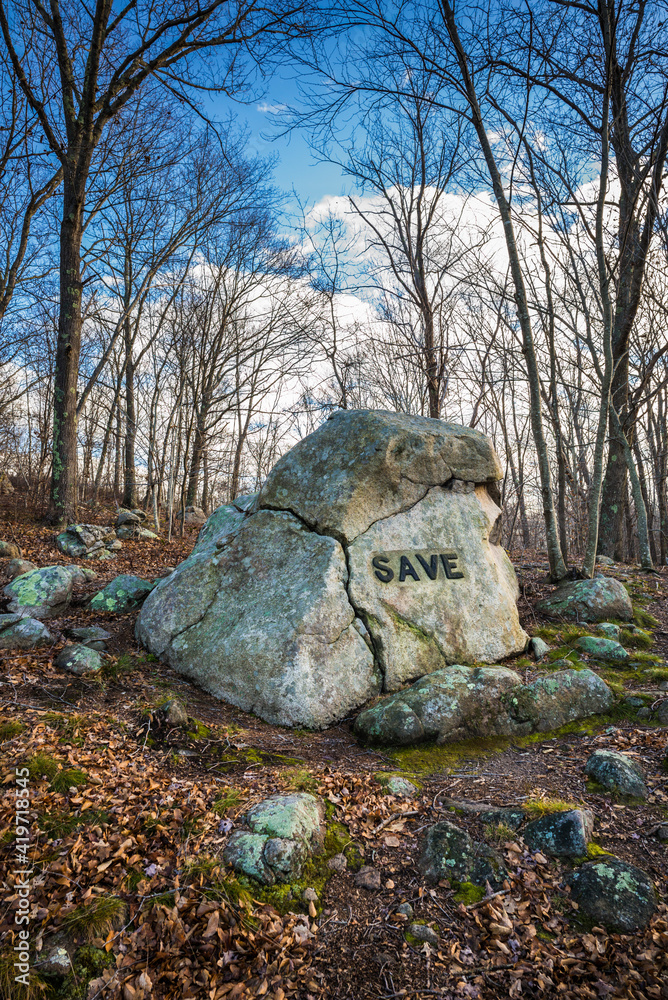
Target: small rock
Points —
{"points": [[400, 787], [78, 659], [562, 834], [643, 713], [617, 774], [338, 863], [124, 593], [167, 571], [662, 833], [368, 878], [17, 567], [447, 851], [92, 636], [17, 632], [602, 649], [193, 515], [115, 546], [588, 601], [56, 962], [663, 686], [605, 561], [423, 933], [406, 910], [662, 713], [286, 829], [174, 712], [127, 517], [609, 630], [538, 647], [310, 896], [615, 894], [8, 550]]}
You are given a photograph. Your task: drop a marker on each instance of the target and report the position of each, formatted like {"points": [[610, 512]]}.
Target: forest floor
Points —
{"points": [[130, 818]]}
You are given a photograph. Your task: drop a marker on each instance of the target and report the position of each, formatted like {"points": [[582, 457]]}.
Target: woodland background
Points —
{"points": [[170, 322]]}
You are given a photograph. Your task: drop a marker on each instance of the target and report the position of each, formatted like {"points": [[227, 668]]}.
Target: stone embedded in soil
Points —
{"points": [[605, 561], [588, 601], [124, 593], [9, 550], [662, 713], [562, 834], [338, 863], [602, 649], [92, 635], [18, 632], [609, 630], [395, 785], [615, 894], [367, 560], [284, 831], [463, 702], [447, 851], [423, 933], [45, 593], [538, 647], [617, 774], [79, 660], [174, 712], [368, 878], [17, 567]]}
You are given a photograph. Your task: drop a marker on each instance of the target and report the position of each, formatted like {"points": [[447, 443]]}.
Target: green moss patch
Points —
{"points": [[468, 893], [9, 730], [88, 963]]}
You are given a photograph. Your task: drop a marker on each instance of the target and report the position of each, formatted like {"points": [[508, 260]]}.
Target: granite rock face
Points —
{"points": [[368, 559], [588, 601], [461, 702]]}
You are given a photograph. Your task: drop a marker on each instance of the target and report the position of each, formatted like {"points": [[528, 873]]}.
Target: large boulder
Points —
{"points": [[588, 601], [266, 624], [461, 702], [45, 593], [369, 558]]}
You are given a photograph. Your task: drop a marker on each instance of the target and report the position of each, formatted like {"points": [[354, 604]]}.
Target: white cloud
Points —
{"points": [[270, 109]]}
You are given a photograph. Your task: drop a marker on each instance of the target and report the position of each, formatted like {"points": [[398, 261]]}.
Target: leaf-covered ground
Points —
{"points": [[130, 816]]}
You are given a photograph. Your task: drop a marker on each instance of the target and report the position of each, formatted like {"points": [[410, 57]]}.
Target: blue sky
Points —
{"points": [[296, 167]]}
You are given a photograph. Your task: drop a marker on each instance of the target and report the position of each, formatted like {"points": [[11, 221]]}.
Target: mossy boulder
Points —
{"points": [[85, 541], [9, 550], [447, 851], [461, 702], [124, 593], [562, 834], [284, 830], [395, 785], [17, 632], [602, 649], [45, 593], [588, 601], [617, 774], [609, 630], [615, 894]]}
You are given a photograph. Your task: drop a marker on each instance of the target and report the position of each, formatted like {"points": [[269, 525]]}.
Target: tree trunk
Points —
{"points": [[129, 475], [64, 470]]}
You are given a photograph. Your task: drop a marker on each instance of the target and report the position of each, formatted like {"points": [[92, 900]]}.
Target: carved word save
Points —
{"points": [[414, 567]]}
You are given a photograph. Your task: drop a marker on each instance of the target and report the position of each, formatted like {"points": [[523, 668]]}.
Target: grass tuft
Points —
{"points": [[97, 918]]}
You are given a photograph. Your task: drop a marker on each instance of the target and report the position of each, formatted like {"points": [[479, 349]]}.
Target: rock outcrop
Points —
{"points": [[370, 558]]}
